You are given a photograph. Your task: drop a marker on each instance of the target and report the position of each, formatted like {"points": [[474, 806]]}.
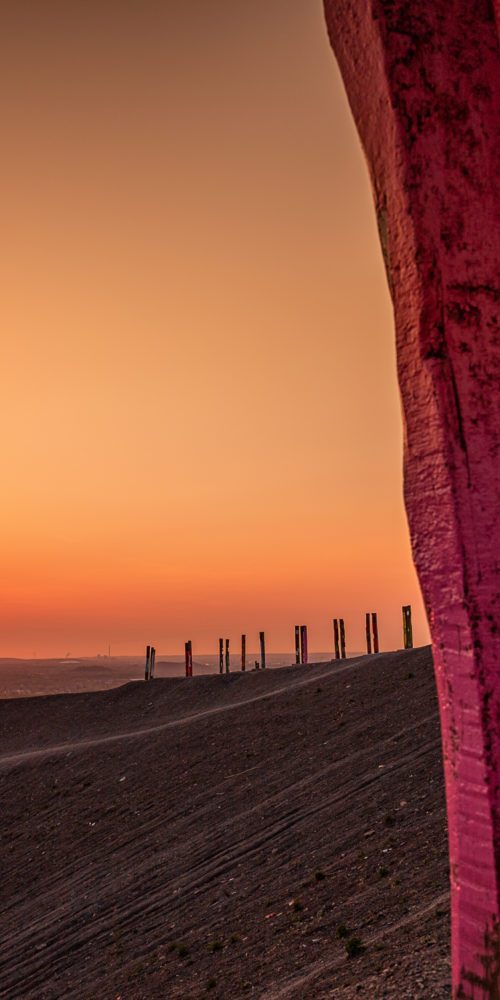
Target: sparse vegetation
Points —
{"points": [[342, 931], [383, 871], [297, 906], [234, 939], [215, 946], [319, 876], [182, 951], [211, 984], [353, 947]]}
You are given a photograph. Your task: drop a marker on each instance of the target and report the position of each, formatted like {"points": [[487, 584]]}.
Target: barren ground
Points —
{"points": [[227, 837]]}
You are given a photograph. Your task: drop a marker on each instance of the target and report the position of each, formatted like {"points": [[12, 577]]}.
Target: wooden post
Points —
{"points": [[256, 665], [342, 638], [243, 653], [375, 631], [221, 656], [152, 662], [189, 658], [262, 650], [336, 638], [227, 656], [368, 634], [297, 643], [407, 628], [146, 668], [303, 643]]}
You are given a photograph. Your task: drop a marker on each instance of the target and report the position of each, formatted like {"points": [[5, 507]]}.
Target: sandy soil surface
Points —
{"points": [[273, 835]]}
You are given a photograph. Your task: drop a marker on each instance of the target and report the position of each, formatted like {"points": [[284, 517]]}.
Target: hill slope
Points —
{"points": [[216, 836]]}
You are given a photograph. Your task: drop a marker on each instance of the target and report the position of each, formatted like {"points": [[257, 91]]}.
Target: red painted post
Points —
{"points": [[423, 85], [336, 638], [221, 656], [227, 656], [342, 638], [243, 653], [297, 644], [262, 650], [375, 631], [189, 658], [303, 643], [146, 668], [368, 634]]}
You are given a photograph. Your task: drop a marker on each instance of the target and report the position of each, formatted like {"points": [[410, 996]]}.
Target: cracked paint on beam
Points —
{"points": [[422, 78]]}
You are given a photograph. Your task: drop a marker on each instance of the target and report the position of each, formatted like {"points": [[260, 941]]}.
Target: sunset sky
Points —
{"points": [[202, 429]]}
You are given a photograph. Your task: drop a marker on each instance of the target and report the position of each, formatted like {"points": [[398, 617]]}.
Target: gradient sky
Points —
{"points": [[202, 430]]}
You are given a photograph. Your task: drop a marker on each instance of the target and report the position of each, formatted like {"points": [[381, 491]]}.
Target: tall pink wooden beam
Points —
{"points": [[422, 78]]}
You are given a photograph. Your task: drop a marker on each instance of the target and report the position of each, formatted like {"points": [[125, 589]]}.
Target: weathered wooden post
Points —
{"points": [[243, 653], [262, 650], [303, 643], [297, 643], [189, 658], [368, 633], [336, 638], [407, 627], [342, 638], [227, 657], [375, 631], [221, 656], [146, 668], [152, 663]]}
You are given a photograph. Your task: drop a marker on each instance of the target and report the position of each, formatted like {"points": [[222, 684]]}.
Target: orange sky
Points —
{"points": [[198, 388]]}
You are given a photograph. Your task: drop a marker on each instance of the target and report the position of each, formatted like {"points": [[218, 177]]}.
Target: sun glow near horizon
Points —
{"points": [[199, 369]]}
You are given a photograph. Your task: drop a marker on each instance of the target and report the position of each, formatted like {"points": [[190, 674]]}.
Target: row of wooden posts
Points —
{"points": [[301, 649]]}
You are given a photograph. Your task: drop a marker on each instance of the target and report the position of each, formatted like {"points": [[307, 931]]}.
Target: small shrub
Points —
{"points": [[390, 820], [342, 931], [319, 876], [215, 946], [211, 984], [182, 951], [234, 939], [383, 871], [297, 906], [353, 947]]}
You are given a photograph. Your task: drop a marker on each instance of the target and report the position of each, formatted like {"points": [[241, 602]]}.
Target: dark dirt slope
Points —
{"points": [[221, 846]]}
